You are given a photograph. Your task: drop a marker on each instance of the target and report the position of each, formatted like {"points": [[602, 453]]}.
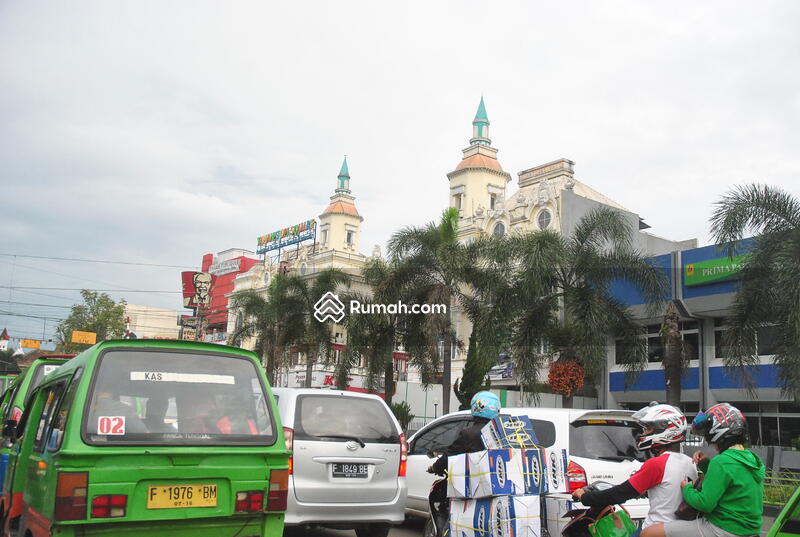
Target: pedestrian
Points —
{"points": [[732, 493]]}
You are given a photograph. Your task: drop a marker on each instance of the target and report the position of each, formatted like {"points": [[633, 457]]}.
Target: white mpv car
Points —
{"points": [[348, 463], [600, 444]]}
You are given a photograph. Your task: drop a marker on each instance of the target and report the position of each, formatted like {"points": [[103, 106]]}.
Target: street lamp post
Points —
{"points": [[435, 408]]}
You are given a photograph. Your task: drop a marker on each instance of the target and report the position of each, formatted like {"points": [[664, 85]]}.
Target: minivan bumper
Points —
{"points": [[345, 514]]}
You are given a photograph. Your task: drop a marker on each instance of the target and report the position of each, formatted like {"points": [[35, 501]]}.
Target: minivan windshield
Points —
{"points": [[156, 397], [610, 440], [338, 418]]}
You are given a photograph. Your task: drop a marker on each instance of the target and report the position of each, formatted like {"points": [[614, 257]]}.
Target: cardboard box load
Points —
{"points": [[502, 516], [481, 474], [517, 516], [557, 470], [534, 469], [471, 518], [506, 431]]}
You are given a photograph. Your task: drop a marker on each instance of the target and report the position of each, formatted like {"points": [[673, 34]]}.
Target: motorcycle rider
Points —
{"points": [[732, 493], [484, 407], [663, 429]]}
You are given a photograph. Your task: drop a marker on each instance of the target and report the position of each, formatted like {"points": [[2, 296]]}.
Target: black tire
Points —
{"points": [[374, 530], [429, 531]]}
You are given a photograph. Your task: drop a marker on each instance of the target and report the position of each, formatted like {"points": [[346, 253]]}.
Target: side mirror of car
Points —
{"points": [[10, 429]]}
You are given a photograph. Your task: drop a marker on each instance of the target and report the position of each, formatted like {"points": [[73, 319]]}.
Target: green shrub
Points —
{"points": [[402, 411]]}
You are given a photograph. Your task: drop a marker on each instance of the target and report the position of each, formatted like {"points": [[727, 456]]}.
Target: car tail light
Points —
{"points": [[249, 501], [576, 476], [401, 471], [71, 488], [109, 506], [278, 490], [288, 435]]}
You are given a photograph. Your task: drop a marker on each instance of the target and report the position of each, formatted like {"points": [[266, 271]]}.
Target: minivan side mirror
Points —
{"points": [[10, 429]]}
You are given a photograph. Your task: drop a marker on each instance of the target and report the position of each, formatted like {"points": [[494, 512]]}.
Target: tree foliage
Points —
{"points": [[8, 364], [769, 282], [98, 313], [429, 267], [283, 317], [556, 295]]}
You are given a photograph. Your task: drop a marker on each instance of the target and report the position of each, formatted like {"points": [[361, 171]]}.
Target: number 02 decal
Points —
{"points": [[111, 425]]}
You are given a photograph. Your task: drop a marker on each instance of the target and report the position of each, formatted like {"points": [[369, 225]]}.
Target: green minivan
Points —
{"points": [[13, 403], [151, 437]]}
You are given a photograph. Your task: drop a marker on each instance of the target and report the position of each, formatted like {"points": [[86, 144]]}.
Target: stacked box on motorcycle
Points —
{"points": [[534, 468], [506, 431], [555, 507], [471, 518], [517, 516], [487, 473], [557, 462]]}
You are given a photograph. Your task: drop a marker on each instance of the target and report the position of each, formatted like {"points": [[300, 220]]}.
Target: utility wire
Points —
{"points": [[85, 289], [105, 261]]}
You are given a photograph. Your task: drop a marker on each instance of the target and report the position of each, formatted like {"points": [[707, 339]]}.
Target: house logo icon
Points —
{"points": [[690, 270], [329, 308]]}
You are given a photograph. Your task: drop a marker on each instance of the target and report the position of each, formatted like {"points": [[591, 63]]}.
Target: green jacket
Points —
{"points": [[732, 493]]}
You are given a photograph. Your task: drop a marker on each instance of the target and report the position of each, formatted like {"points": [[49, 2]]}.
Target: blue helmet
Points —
{"points": [[485, 405]]}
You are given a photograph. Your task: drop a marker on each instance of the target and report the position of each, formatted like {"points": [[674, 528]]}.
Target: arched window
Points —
{"points": [[499, 230]]}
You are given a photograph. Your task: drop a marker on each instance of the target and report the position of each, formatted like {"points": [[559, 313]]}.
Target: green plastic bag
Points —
{"points": [[614, 524]]}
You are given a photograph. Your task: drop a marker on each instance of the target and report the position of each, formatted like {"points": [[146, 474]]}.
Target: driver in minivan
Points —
{"points": [[664, 428]]}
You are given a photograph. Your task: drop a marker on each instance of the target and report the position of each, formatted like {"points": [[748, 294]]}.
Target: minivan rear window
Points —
{"points": [[165, 398], [611, 440], [338, 418], [42, 370]]}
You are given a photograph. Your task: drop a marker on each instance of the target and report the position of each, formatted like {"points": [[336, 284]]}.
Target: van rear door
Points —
{"points": [[346, 449]]}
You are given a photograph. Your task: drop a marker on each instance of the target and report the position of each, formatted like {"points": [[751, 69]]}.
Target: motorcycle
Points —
{"points": [[437, 526], [581, 519]]}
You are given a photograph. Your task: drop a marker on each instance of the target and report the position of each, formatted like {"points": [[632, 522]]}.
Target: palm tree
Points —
{"points": [[769, 282], [272, 319], [561, 296], [429, 261], [314, 338], [373, 336]]}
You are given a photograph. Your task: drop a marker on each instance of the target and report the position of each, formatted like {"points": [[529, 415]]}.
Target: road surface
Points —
{"points": [[412, 528]]}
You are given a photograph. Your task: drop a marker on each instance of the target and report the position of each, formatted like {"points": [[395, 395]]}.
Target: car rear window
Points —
{"points": [[338, 418], [160, 398], [612, 440]]}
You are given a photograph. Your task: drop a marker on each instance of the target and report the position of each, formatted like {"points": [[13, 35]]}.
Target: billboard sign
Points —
{"points": [[87, 338], [196, 288], [30, 343], [286, 236], [712, 270], [225, 267]]}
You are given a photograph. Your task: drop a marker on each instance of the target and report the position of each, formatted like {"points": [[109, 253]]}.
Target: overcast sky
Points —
{"points": [[159, 131]]}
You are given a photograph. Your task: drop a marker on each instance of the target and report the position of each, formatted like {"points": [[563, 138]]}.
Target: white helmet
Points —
{"points": [[668, 426]]}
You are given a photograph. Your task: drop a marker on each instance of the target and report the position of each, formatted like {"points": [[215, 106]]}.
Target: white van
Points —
{"points": [[600, 444], [348, 463]]}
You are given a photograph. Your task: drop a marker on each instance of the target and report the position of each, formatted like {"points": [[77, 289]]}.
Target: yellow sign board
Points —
{"points": [[30, 343], [89, 338]]}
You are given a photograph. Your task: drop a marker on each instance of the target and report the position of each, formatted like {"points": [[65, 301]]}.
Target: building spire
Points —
{"points": [[343, 186], [480, 126]]}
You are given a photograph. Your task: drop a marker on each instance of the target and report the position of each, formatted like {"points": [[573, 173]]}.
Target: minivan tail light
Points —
{"points": [[278, 490], [288, 435], [576, 476], [109, 506], [249, 501], [401, 471], [71, 489]]}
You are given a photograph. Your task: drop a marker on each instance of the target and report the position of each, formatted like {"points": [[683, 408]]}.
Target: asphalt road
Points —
{"points": [[412, 528]]}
